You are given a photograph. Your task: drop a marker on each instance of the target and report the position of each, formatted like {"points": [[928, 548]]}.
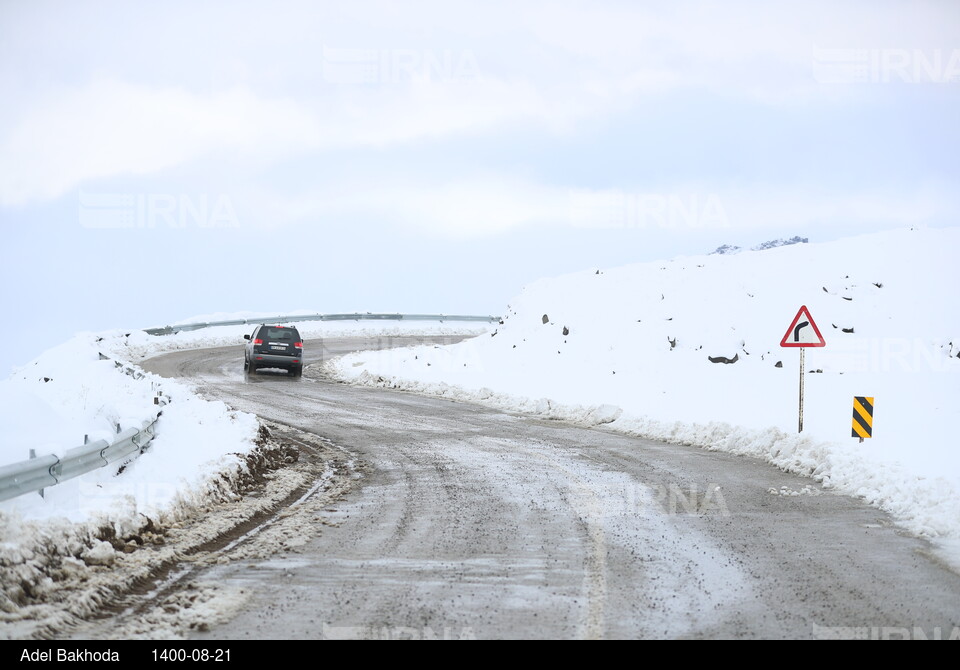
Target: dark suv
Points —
{"points": [[274, 347]]}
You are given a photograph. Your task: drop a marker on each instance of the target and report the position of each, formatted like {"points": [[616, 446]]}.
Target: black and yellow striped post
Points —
{"points": [[862, 417]]}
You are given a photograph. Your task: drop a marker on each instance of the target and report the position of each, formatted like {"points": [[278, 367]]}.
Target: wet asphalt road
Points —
{"points": [[475, 523]]}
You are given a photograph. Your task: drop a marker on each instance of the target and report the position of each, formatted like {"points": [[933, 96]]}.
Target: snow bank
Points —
{"points": [[83, 388]]}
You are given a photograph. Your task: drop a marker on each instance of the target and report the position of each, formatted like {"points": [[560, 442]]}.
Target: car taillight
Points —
{"points": [[258, 341], [298, 345]]}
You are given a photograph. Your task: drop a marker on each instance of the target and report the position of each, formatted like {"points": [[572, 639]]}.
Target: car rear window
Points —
{"points": [[280, 334]]}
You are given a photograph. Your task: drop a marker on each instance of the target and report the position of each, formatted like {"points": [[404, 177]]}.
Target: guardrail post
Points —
{"points": [[33, 455]]}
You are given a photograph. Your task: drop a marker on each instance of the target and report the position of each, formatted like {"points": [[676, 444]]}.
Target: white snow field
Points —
{"points": [[628, 349]]}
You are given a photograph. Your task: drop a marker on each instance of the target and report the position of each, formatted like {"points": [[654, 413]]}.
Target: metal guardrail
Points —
{"points": [[43, 472], [171, 330]]}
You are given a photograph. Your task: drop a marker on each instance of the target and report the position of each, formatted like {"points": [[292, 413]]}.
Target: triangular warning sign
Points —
{"points": [[803, 331]]}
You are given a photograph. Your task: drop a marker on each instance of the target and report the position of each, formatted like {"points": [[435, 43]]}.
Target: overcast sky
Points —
{"points": [[164, 160]]}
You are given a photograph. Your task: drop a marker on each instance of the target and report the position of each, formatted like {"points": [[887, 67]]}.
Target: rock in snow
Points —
{"points": [[101, 553]]}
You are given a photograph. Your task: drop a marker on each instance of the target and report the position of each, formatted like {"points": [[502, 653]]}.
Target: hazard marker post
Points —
{"points": [[862, 417], [802, 333]]}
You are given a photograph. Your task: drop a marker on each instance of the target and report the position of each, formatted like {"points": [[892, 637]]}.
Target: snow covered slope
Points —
{"points": [[87, 387], [630, 348]]}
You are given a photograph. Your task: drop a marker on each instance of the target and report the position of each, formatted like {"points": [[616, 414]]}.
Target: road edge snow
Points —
{"points": [[918, 505]]}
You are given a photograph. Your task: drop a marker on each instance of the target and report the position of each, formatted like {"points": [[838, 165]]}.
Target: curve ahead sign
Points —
{"points": [[803, 331]]}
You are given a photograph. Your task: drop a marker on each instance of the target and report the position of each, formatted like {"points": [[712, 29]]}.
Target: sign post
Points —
{"points": [[802, 333], [803, 352]]}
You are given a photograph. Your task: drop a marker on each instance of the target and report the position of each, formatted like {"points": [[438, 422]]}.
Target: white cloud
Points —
{"points": [[69, 136], [804, 207], [108, 128], [484, 205], [97, 107], [443, 208], [759, 51]]}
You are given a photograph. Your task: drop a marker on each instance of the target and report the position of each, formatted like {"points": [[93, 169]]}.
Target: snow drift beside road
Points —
{"points": [[629, 348], [79, 389]]}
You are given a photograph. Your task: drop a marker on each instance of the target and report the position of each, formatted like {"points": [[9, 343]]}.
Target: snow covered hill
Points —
{"points": [[642, 349]]}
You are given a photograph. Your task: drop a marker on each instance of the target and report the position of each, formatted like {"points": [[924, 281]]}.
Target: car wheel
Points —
{"points": [[297, 371], [251, 366]]}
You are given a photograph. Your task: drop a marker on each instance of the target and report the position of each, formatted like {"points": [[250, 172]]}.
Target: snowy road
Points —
{"points": [[472, 523]]}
